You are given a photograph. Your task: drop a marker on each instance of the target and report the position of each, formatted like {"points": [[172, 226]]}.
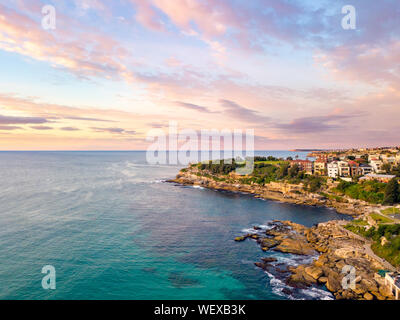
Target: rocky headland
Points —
{"points": [[280, 191]]}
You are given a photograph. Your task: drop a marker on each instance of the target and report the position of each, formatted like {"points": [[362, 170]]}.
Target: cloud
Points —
{"points": [[239, 112], [87, 119], [317, 124], [73, 46], [114, 130], [69, 129], [195, 107], [21, 120], [9, 128], [43, 128]]}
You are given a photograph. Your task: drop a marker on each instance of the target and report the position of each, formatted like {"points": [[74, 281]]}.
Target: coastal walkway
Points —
{"points": [[366, 247]]}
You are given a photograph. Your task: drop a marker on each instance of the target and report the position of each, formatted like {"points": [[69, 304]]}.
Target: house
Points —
{"points": [[354, 168], [344, 169], [385, 178], [373, 157], [397, 159], [323, 157], [388, 158], [320, 167], [333, 169], [364, 169], [392, 279], [304, 165], [376, 164]]}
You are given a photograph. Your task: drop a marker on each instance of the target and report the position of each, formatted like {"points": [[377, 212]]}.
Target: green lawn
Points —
{"points": [[391, 211], [380, 219], [279, 162]]}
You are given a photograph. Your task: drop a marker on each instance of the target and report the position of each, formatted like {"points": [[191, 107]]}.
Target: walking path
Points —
{"points": [[367, 247]]}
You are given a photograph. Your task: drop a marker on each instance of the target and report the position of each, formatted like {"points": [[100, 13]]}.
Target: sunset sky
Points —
{"points": [[113, 70]]}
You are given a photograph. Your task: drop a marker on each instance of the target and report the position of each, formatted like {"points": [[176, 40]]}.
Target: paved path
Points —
{"points": [[367, 247]]}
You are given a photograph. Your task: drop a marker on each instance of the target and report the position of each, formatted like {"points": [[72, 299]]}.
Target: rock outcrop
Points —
{"points": [[341, 264]]}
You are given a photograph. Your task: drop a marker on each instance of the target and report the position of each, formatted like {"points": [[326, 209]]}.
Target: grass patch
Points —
{"points": [[389, 251], [390, 211], [380, 219]]}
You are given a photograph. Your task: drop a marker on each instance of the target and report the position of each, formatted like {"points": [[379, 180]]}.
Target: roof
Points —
{"points": [[379, 176]]}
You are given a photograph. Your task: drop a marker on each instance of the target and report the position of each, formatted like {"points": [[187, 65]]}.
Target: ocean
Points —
{"points": [[114, 229]]}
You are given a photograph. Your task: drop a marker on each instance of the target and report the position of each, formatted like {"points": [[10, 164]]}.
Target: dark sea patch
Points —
{"points": [[180, 280]]}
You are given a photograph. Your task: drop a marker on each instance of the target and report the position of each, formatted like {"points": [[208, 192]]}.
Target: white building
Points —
{"points": [[376, 164], [393, 281], [333, 169], [344, 169], [389, 158]]}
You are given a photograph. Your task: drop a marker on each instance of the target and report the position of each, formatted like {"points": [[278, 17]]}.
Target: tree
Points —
{"points": [[293, 171], [396, 170], [387, 167], [283, 170], [391, 192]]}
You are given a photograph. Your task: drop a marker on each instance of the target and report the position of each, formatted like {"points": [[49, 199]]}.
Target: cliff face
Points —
{"points": [[279, 191]]}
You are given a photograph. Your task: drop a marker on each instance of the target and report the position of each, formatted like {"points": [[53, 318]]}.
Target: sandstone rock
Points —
{"points": [[323, 279], [239, 239], [269, 242], [385, 291], [378, 295], [322, 260], [268, 260], [370, 285], [295, 246], [333, 284], [368, 296], [314, 272]]}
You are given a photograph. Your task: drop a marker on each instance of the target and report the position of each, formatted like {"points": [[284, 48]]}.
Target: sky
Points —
{"points": [[111, 72]]}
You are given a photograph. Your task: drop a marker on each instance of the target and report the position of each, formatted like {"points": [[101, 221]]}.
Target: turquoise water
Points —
{"points": [[113, 229]]}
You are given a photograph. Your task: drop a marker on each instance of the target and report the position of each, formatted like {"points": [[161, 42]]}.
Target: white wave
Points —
{"points": [[317, 293], [277, 286], [198, 187]]}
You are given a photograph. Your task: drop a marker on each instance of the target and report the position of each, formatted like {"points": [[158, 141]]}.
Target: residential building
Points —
{"points": [[388, 158], [333, 169], [376, 164], [398, 158], [323, 157], [364, 169], [373, 157], [320, 167], [304, 165], [392, 280], [344, 169], [354, 168]]}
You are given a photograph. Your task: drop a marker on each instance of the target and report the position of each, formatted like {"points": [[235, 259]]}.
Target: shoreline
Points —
{"points": [[333, 245], [278, 191]]}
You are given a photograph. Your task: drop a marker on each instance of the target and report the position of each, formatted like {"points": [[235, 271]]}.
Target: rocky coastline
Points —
{"points": [[328, 247], [278, 191], [334, 252]]}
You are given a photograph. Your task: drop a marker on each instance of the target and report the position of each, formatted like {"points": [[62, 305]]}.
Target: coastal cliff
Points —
{"points": [[280, 191]]}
